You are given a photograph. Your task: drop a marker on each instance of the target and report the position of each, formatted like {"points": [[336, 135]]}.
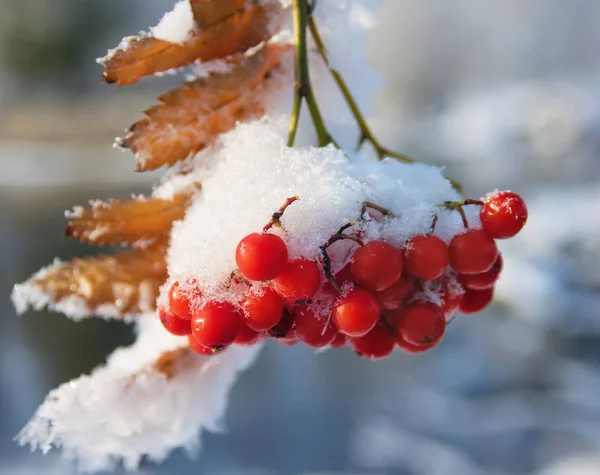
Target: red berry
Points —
{"points": [[472, 252], [262, 308], [283, 328], [339, 341], [312, 329], [392, 297], [202, 350], [376, 344], [377, 265], [476, 300], [357, 313], [261, 256], [451, 300], [247, 336], [173, 324], [421, 324], [180, 297], [217, 324], [485, 279], [425, 257], [503, 214], [299, 280], [411, 348]]}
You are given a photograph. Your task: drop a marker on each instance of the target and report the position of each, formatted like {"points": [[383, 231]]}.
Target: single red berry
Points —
{"points": [[393, 297], [247, 336], [217, 324], [476, 300], [484, 280], [299, 280], [339, 341], [472, 252], [376, 344], [425, 257], [357, 313], [262, 308], [202, 350], [411, 348], [261, 256], [283, 328], [421, 324], [312, 329], [181, 296], [377, 265], [174, 324], [503, 214]]}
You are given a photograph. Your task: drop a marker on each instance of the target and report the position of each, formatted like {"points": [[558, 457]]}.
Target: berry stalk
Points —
{"points": [[303, 89]]}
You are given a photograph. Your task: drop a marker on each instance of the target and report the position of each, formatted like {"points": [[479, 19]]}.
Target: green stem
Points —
{"points": [[365, 131], [303, 89]]}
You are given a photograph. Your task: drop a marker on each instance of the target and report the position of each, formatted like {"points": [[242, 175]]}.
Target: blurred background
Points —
{"points": [[505, 93]]}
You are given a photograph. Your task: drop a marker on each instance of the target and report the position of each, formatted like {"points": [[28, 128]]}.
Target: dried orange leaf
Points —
{"points": [[209, 12], [110, 286], [141, 56], [192, 117], [139, 222], [171, 362]]}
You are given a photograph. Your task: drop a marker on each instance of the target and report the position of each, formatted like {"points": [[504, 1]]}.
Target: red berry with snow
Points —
{"points": [[376, 344], [180, 298], [299, 280], [377, 265], [174, 324], [474, 301], [503, 214], [217, 324], [313, 329], [357, 313], [483, 280], [261, 256], [422, 324], [425, 257], [262, 308], [472, 252]]}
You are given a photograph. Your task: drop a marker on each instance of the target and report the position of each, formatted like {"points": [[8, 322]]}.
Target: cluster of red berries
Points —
{"points": [[385, 296]]}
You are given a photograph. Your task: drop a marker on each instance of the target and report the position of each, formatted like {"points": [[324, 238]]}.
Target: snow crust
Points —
{"points": [[124, 410]]}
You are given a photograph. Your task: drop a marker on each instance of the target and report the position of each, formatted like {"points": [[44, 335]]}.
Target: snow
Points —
{"points": [[240, 194], [177, 25], [124, 410]]}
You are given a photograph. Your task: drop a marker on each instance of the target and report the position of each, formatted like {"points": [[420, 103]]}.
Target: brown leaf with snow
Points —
{"points": [[137, 222], [209, 12], [192, 117], [126, 283], [223, 34]]}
